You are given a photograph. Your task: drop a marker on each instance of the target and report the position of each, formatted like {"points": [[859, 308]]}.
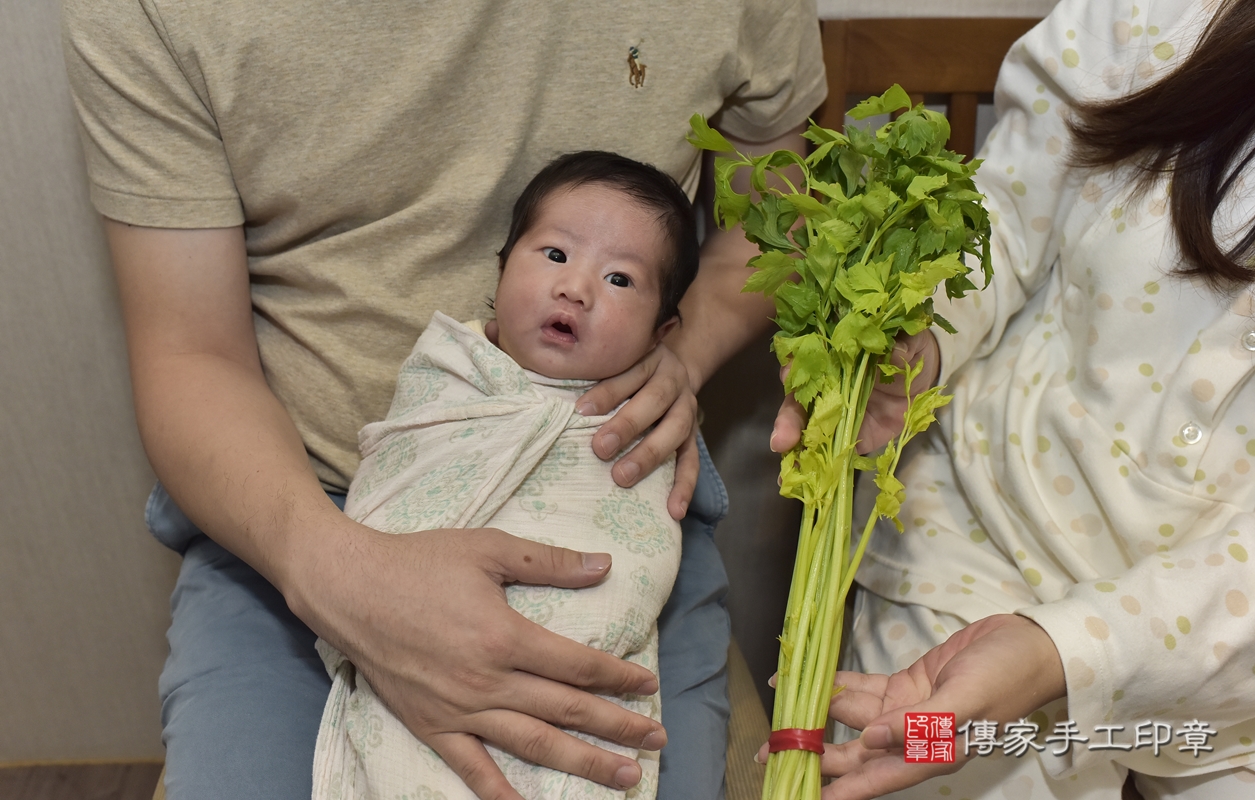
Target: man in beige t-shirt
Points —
{"points": [[291, 188]]}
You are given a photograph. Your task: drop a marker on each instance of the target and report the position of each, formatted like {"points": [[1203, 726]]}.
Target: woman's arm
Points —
{"points": [[422, 615]]}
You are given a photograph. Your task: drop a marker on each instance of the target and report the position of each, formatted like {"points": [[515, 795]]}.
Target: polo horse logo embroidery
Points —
{"points": [[637, 76]]}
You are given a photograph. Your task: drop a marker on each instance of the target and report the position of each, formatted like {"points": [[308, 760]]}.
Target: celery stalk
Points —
{"points": [[886, 218]]}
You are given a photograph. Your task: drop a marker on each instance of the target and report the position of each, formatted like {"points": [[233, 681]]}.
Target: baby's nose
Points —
{"points": [[574, 285]]}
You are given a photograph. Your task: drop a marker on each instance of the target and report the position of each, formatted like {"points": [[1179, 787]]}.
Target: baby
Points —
{"points": [[483, 432]]}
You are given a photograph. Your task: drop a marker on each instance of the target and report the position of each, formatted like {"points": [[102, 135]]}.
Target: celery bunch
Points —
{"points": [[888, 217]]}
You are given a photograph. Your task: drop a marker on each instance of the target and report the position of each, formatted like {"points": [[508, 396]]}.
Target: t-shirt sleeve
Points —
{"points": [[154, 154], [780, 78]]}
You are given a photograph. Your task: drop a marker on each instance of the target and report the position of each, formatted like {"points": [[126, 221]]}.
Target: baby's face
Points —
{"points": [[580, 292]]}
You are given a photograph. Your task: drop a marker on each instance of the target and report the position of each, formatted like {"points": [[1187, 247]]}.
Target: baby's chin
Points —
{"points": [[565, 369]]}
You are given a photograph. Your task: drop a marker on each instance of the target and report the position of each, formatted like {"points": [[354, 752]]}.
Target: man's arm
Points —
{"points": [[423, 616], [718, 320]]}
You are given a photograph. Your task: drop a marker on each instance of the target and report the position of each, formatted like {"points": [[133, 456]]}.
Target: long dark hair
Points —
{"points": [[1196, 124]]}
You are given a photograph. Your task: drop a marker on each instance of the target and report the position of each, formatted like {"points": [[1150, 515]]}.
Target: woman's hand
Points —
{"points": [[886, 408], [661, 393], [999, 668]]}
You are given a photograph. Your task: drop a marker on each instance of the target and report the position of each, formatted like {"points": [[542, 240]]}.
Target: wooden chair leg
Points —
{"points": [[962, 115]]}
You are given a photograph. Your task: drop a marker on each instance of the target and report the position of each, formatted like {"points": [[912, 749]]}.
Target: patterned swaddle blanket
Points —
{"points": [[474, 440]]}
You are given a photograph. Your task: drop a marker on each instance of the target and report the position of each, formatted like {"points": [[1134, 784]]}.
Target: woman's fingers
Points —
{"points": [[790, 420]]}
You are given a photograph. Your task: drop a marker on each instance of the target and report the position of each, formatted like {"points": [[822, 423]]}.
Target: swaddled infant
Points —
{"points": [[483, 432]]}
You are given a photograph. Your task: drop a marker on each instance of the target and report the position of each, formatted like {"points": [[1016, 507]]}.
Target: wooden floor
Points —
{"points": [[79, 782]]}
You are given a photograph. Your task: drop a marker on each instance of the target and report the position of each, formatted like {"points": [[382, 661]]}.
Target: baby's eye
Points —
{"points": [[554, 254], [619, 279]]}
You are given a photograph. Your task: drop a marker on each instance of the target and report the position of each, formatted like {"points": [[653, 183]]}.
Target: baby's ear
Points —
{"points": [[666, 328]]}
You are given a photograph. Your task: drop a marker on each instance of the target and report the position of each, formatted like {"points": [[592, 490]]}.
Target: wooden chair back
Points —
{"points": [[957, 58]]}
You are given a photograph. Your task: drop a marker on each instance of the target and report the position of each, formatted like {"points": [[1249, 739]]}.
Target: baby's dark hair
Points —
{"points": [[647, 185]]}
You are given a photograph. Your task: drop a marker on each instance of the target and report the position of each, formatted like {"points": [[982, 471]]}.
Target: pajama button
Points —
{"points": [[1248, 340], [1191, 433]]}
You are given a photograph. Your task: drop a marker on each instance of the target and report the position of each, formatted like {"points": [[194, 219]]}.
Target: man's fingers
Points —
{"points": [[608, 393], [543, 699], [661, 400], [523, 561], [549, 655], [672, 432], [544, 744], [465, 755], [687, 465]]}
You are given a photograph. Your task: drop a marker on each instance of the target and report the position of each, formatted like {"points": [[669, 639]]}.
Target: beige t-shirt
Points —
{"points": [[373, 151]]}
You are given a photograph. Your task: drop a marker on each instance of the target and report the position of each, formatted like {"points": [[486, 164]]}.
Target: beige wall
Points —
{"points": [[83, 588]]}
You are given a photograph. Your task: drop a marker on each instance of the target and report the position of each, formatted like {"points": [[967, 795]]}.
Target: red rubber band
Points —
{"points": [[796, 739]]}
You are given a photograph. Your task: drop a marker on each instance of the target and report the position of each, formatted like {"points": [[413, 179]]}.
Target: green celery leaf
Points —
{"points": [[944, 324], [809, 207], [801, 300], [822, 259], [825, 415], [770, 270], [921, 412], [830, 190], [924, 185], [893, 99], [768, 221], [705, 137], [809, 365], [892, 492]]}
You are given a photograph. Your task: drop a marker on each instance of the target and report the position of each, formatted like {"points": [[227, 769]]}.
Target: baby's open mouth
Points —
{"points": [[562, 328]]}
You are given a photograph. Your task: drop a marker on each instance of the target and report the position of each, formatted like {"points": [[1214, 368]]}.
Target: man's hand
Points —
{"points": [[1000, 668], [661, 393], [423, 617], [886, 408]]}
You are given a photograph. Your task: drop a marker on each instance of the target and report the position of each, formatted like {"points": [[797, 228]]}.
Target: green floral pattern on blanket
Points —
{"points": [[419, 381], [632, 522], [537, 603], [389, 461], [498, 373], [362, 723], [439, 495], [532, 493]]}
